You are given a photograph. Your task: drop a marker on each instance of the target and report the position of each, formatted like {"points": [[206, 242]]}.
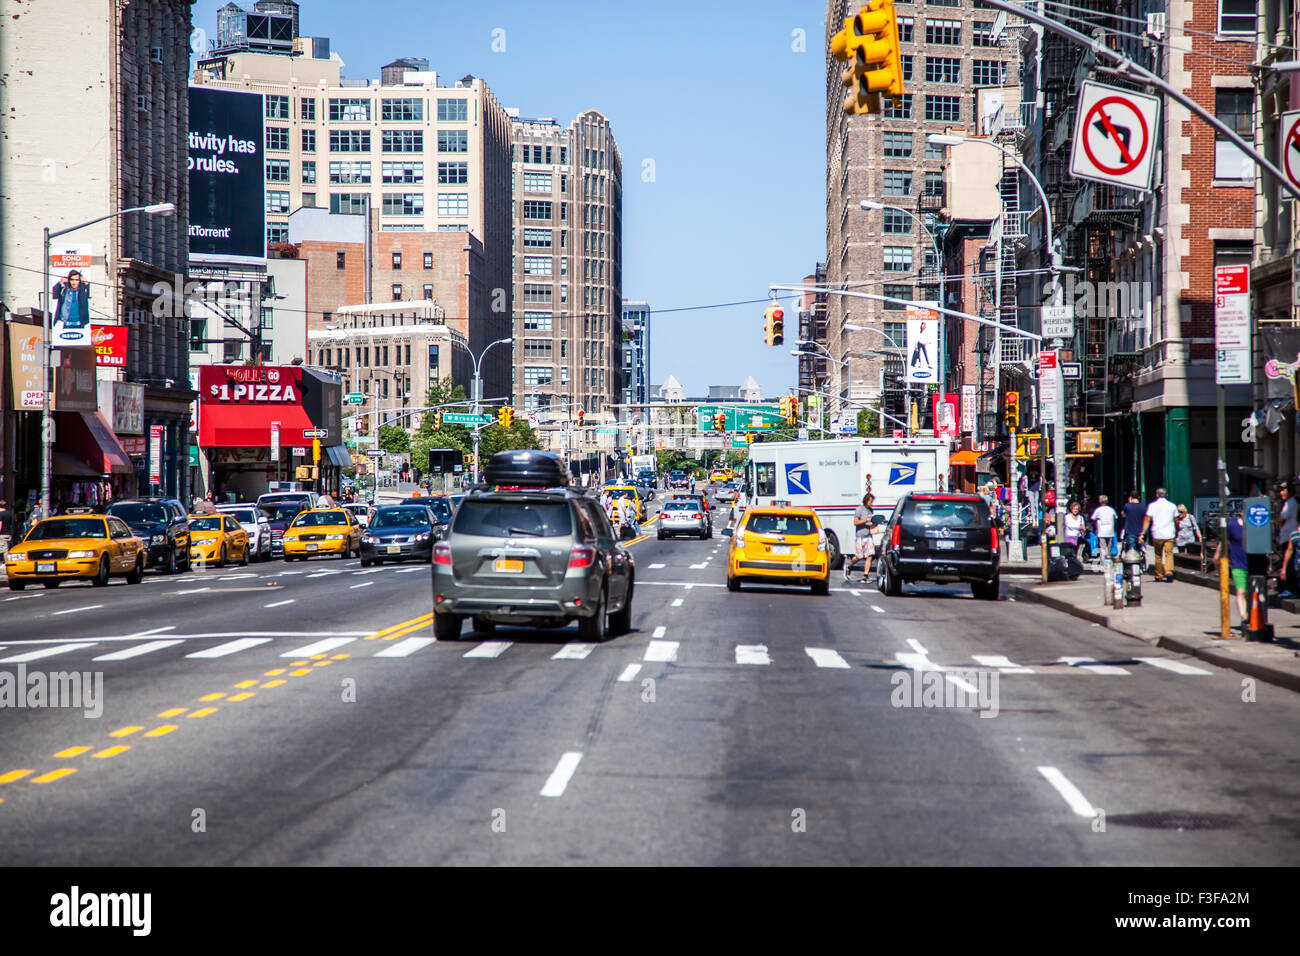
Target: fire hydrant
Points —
{"points": [[1131, 561]]}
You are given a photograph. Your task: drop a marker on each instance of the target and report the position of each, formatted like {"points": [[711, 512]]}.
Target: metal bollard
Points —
{"points": [[1107, 582], [1131, 563]]}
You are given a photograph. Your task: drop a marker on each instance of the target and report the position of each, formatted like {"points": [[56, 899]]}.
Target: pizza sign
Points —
{"points": [[250, 385]]}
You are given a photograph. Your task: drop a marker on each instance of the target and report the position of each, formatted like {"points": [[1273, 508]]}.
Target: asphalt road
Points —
{"points": [[303, 714]]}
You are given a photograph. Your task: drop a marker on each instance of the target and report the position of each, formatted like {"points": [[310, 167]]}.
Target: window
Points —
{"points": [[340, 259], [935, 151], [277, 232], [907, 59], [942, 69], [403, 204], [903, 109], [277, 170], [934, 183], [898, 182], [983, 33], [1235, 107], [453, 141], [564, 212], [537, 238], [895, 292], [905, 29], [537, 321], [537, 348], [397, 260], [428, 260], [309, 200], [453, 204], [349, 141], [397, 297], [400, 111], [307, 108], [897, 223], [277, 107], [277, 137], [1237, 17], [989, 73], [347, 173], [540, 294], [402, 174], [942, 109], [277, 202], [898, 144], [536, 209], [537, 182], [428, 294], [453, 174], [354, 203], [538, 265], [309, 172], [453, 227], [349, 110], [538, 374], [453, 111], [403, 140], [898, 259], [564, 155], [309, 141]]}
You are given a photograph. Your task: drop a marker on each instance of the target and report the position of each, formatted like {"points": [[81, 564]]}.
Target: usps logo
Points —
{"points": [[797, 479], [902, 474]]}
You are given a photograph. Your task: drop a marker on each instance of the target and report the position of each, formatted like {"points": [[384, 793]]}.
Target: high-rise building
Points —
{"points": [[636, 363]]}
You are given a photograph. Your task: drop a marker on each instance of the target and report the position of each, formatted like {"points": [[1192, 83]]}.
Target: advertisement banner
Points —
{"points": [[155, 454], [74, 381], [250, 385], [969, 407], [70, 311], [110, 344], [123, 405], [275, 440], [25, 367], [227, 175], [944, 410], [922, 345], [1282, 361]]}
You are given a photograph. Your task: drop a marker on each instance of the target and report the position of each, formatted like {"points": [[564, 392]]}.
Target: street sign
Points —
{"points": [[533, 420], [1088, 442], [1058, 321], [1046, 363], [275, 441], [1049, 392], [1072, 370], [1113, 136], [803, 434], [1290, 140], [606, 431], [1232, 365], [299, 452], [314, 433], [354, 398], [739, 442], [461, 418], [739, 418]]}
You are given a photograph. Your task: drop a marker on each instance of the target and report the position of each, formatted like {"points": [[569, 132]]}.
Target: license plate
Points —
{"points": [[313, 547], [394, 549], [45, 567], [943, 545], [780, 549], [509, 565]]}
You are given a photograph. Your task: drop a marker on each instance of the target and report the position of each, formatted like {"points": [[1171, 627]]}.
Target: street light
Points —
{"points": [[478, 389], [47, 420]]}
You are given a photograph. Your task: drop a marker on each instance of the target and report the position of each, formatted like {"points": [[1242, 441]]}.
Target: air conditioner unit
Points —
{"points": [[155, 54], [142, 104], [1157, 24]]}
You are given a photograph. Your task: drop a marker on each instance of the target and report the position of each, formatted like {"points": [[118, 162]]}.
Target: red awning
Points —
{"points": [[88, 436], [249, 426]]}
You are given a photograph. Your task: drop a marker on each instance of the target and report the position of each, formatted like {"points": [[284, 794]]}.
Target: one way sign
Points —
{"points": [[1113, 134]]}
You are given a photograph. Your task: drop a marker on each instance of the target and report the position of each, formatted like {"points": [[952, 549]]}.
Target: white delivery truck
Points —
{"points": [[831, 477]]}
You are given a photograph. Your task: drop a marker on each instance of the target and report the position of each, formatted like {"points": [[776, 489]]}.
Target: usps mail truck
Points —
{"points": [[830, 477]]}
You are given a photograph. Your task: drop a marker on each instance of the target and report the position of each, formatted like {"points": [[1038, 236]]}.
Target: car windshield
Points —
{"points": [[282, 512], [244, 515], [315, 519], [210, 523], [676, 474], [947, 514], [68, 528], [780, 524], [441, 509], [272, 501], [504, 519], [399, 518], [680, 506], [140, 512]]}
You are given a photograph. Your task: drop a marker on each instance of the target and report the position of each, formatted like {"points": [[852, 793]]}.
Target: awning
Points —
{"points": [[88, 436], [249, 426], [338, 455], [967, 458], [70, 466]]}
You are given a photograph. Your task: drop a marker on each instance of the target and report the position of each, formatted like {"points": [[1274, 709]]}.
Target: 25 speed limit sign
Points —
{"points": [[1113, 136]]}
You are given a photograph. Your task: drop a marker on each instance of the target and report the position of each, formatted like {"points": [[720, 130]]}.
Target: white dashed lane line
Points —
{"points": [[1077, 801], [824, 657], [752, 654], [629, 672], [677, 602], [573, 651], [1178, 667], [488, 649], [661, 651], [129, 652], [279, 603], [560, 776]]}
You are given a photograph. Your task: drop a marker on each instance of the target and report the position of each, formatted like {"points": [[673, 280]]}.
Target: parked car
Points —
{"points": [[399, 532], [256, 523], [542, 555], [683, 516], [161, 524], [941, 538]]}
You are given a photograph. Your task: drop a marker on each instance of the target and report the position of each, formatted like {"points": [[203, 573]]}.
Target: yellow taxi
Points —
{"points": [[779, 546], [80, 545], [322, 531], [217, 539], [720, 474], [632, 494]]}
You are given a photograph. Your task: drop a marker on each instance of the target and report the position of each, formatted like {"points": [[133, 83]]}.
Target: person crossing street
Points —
{"points": [[864, 545]]}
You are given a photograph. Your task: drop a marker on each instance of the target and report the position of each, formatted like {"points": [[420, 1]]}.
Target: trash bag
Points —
{"points": [[1067, 567]]}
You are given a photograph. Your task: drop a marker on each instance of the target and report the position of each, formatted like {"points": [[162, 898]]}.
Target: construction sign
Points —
{"points": [[1113, 136]]}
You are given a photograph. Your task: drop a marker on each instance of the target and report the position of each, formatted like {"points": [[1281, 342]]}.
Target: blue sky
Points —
{"points": [[713, 93]]}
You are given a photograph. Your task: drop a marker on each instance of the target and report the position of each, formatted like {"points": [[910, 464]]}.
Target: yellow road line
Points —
{"points": [[203, 712], [415, 627], [244, 695], [71, 752], [274, 683], [300, 671], [322, 664], [160, 731], [126, 731], [112, 751], [275, 672], [54, 775], [208, 698], [245, 684], [173, 712], [13, 775], [422, 619], [340, 657]]}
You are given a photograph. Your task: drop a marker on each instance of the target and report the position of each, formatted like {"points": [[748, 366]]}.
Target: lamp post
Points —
{"points": [[47, 420], [477, 397]]}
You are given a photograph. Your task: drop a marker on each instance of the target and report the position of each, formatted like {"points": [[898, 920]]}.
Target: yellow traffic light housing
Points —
{"points": [[749, 438], [581, 415], [437, 420], [1012, 411], [720, 422], [869, 44], [774, 325], [505, 416]]}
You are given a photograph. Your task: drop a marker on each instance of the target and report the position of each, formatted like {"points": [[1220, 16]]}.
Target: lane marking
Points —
{"points": [[661, 651], [752, 654], [559, 778], [573, 651], [13, 775], [856, 593], [70, 752], [75, 610], [19, 597], [878, 610], [677, 602], [702, 564], [1091, 664], [363, 584], [161, 731], [192, 591], [653, 567], [279, 603], [964, 684], [916, 662], [54, 775], [129, 652], [108, 752], [629, 672], [1178, 667], [406, 570], [152, 630], [323, 574], [915, 645], [825, 657], [1002, 663], [126, 731], [1077, 801], [393, 628], [660, 631], [320, 647], [368, 571], [230, 647], [202, 712], [488, 649], [44, 652], [405, 648]]}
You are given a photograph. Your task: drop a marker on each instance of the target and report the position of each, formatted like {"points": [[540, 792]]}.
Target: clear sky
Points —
{"points": [[718, 108]]}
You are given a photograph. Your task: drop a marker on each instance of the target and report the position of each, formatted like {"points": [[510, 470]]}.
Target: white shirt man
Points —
{"points": [[1161, 522], [1103, 519]]}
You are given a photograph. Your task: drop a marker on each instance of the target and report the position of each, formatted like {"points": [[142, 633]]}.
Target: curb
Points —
{"points": [[1217, 654]]}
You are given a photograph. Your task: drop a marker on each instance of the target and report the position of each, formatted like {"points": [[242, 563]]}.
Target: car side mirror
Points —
{"points": [[726, 532]]}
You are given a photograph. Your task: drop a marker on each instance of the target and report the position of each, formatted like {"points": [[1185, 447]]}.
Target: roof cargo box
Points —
{"points": [[526, 469]]}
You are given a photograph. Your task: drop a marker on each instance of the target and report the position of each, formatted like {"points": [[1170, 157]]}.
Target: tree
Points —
{"points": [[394, 439], [870, 424], [494, 438], [429, 435]]}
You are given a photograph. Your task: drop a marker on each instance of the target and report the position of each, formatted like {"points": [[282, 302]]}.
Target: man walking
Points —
{"points": [[864, 548], [1236, 563], [6, 527], [1134, 514], [1103, 523], [1160, 521]]}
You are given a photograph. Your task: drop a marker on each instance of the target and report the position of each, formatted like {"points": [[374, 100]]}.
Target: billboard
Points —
{"points": [[227, 175], [110, 344], [25, 366], [922, 345], [74, 382]]}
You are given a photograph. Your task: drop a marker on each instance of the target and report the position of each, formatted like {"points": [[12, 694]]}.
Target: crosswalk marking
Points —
{"points": [[230, 647], [573, 651], [825, 657], [488, 649], [661, 651], [916, 662], [1091, 665], [129, 652], [1178, 667], [629, 672], [702, 564], [1002, 663], [319, 647], [405, 648], [44, 652], [752, 654]]}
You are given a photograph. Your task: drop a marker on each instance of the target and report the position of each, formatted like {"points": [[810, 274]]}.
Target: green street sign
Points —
{"points": [[460, 418], [739, 443], [606, 431], [350, 444], [739, 418], [354, 398]]}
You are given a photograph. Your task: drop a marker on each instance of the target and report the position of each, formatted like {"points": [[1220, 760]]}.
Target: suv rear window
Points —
{"points": [[680, 505], [947, 513], [504, 519], [141, 512]]}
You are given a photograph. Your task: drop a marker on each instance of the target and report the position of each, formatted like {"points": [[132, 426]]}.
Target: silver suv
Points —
{"points": [[532, 557]]}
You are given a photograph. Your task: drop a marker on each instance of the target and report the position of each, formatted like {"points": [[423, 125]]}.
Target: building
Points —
{"points": [[121, 70], [674, 416], [814, 372], [636, 365], [280, 317]]}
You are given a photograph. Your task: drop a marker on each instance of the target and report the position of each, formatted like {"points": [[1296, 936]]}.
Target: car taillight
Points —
{"points": [[582, 556], [697, 515], [898, 533], [442, 553], [993, 539]]}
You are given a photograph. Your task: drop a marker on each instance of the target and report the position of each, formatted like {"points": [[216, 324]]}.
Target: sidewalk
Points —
{"points": [[1181, 617]]}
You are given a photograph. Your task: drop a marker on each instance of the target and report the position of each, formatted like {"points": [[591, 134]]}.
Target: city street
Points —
{"points": [[291, 714]]}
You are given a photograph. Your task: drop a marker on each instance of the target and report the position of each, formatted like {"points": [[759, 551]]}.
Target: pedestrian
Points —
{"points": [[864, 545], [1103, 523], [1288, 578], [326, 500], [207, 506], [1134, 515], [7, 523], [1187, 533], [1236, 563], [1160, 523], [1288, 518], [1076, 528]]}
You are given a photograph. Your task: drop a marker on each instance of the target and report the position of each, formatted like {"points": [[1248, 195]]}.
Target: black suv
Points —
{"points": [[531, 552], [942, 538], [162, 524]]}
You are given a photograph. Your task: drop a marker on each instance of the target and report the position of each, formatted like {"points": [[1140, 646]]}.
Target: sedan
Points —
{"points": [[217, 539], [397, 533], [779, 546], [683, 517]]}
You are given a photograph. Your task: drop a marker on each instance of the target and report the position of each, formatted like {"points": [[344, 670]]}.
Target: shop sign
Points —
{"points": [[250, 385], [25, 366]]}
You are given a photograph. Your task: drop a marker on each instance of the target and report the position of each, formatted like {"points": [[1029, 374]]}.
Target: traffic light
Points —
{"points": [[363, 425], [315, 450], [869, 44], [749, 438], [437, 420], [505, 416], [774, 325], [1012, 411], [582, 413], [720, 422]]}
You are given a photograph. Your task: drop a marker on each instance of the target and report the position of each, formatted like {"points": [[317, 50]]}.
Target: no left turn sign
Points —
{"points": [[1113, 136], [1290, 140]]}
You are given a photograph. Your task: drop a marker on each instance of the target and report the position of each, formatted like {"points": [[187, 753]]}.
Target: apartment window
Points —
{"points": [[349, 110], [897, 223], [340, 259], [349, 172], [983, 33], [898, 145], [277, 170], [942, 109], [453, 141], [945, 3], [1237, 17], [903, 109], [277, 107], [895, 336], [397, 260], [309, 200], [401, 111], [934, 151], [428, 294], [277, 137], [277, 232], [309, 172], [537, 182], [307, 108], [428, 260], [277, 202], [453, 110], [453, 204], [349, 141], [403, 140], [538, 265], [453, 227], [1235, 108], [540, 294], [564, 235], [537, 321], [537, 348], [536, 209], [537, 238], [905, 25], [309, 141], [897, 182], [989, 73], [402, 174], [353, 203], [564, 155], [453, 174], [895, 292], [907, 59], [403, 204], [897, 259], [942, 69], [934, 183]]}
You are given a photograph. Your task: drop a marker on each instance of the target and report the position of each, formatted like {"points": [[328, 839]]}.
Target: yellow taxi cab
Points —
{"points": [[779, 546], [632, 494], [720, 474], [80, 545], [322, 531], [217, 539]]}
